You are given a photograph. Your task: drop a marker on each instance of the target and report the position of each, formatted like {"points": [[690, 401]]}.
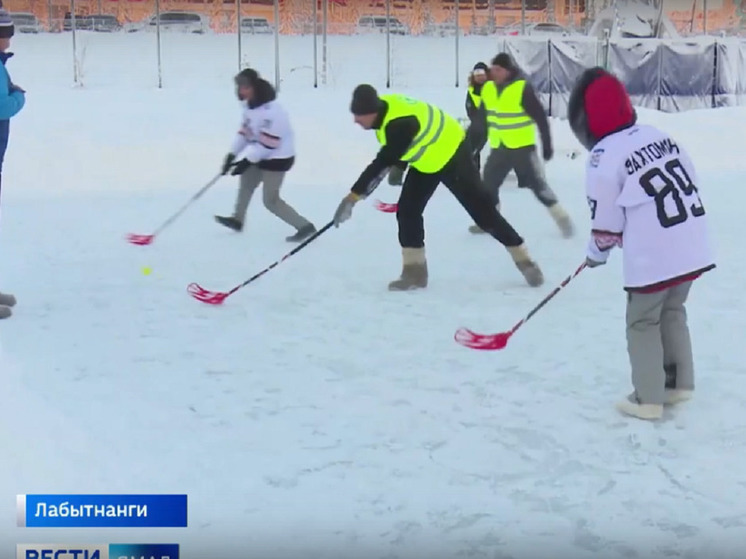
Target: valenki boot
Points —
{"points": [[476, 229], [562, 220], [527, 267], [414, 271]]}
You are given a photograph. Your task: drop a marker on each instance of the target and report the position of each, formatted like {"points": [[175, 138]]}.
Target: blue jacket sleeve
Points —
{"points": [[11, 104]]}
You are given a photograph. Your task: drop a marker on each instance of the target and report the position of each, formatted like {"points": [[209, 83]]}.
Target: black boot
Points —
{"points": [[301, 234], [230, 222], [670, 376]]}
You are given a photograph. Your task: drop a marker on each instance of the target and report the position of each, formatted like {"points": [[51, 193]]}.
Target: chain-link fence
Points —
{"points": [[317, 43]]}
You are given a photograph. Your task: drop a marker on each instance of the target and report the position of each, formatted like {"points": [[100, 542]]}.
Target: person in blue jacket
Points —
{"points": [[12, 100]]}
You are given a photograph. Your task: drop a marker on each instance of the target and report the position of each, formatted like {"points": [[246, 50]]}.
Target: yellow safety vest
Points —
{"points": [[438, 139], [507, 121], [475, 97]]}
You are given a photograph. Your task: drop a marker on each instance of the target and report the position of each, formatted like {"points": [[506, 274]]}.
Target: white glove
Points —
{"points": [[344, 210]]}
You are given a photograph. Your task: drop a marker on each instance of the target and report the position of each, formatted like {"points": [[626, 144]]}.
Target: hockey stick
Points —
{"points": [[385, 207], [471, 339], [142, 240], [217, 297]]}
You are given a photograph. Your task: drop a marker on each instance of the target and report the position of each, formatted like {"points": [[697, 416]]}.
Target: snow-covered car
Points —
{"points": [[26, 22], [185, 22]]}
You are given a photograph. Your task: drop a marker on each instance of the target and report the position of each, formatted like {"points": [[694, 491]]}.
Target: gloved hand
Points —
{"points": [[227, 163], [547, 152], [593, 263], [240, 167], [14, 87], [396, 176], [344, 210]]}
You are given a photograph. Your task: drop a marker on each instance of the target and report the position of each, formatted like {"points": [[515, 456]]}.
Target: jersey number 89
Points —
{"points": [[669, 183]]}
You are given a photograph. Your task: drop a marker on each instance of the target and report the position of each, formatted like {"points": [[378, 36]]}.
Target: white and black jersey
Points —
{"points": [[266, 136]]}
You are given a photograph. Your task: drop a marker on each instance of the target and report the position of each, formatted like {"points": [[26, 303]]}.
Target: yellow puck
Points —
{"points": [[146, 270]]}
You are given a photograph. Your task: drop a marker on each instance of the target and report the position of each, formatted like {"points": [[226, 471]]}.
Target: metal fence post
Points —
{"points": [[456, 45], [238, 33], [315, 43], [277, 44], [158, 41]]}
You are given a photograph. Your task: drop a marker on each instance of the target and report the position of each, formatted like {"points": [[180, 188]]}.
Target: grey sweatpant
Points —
{"points": [[528, 170], [658, 338], [272, 182]]}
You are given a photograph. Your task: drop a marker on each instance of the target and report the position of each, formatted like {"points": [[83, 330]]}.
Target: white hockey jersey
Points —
{"points": [[265, 133], [642, 189]]}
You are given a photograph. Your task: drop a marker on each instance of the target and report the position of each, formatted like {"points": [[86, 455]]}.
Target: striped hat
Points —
{"points": [[6, 24]]}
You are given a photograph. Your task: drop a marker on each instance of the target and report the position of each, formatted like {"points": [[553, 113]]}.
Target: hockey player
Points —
{"points": [[510, 112], [263, 151], [433, 144], [642, 189], [477, 79], [12, 100]]}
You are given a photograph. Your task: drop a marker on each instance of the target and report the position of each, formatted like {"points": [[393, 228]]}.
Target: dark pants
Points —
{"points": [[461, 177], [476, 143], [525, 162], [4, 132]]}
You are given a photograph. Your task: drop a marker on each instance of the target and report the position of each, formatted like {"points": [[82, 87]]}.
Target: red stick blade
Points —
{"points": [[385, 207], [205, 296], [140, 240], [471, 339]]}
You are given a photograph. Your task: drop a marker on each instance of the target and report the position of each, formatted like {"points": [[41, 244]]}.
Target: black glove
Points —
{"points": [[14, 87], [548, 152], [240, 167], [396, 176], [228, 163]]}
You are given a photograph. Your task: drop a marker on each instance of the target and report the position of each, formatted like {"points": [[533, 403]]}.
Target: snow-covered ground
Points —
{"points": [[314, 411]]}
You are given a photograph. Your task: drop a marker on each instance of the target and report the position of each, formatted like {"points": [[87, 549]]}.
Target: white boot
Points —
{"points": [[674, 396], [476, 229], [562, 220], [414, 271], [630, 407], [530, 269]]}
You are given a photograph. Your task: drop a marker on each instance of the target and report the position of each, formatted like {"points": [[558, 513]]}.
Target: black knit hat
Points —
{"points": [[480, 66], [247, 77], [504, 60], [364, 100]]}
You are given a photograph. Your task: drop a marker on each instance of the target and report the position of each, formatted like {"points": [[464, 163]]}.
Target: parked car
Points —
{"points": [[256, 25], [377, 24], [81, 22], [92, 22], [539, 30], [445, 29], [185, 22], [25, 22], [105, 23]]}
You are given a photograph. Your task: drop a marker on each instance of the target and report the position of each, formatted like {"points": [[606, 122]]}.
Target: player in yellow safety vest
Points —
{"points": [[477, 79], [434, 146], [510, 113]]}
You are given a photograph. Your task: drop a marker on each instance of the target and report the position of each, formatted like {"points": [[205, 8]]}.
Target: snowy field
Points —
{"points": [[315, 414]]}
